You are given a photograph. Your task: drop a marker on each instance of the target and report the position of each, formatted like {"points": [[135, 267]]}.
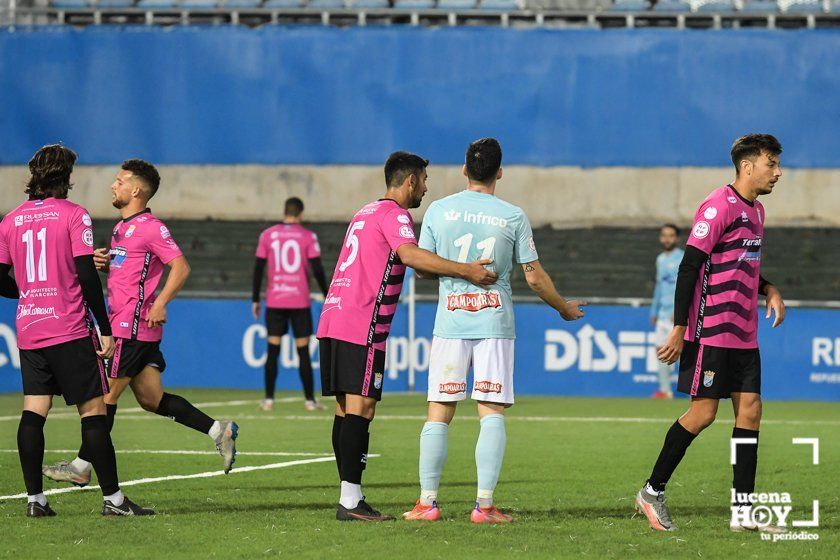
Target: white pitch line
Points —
{"points": [[189, 452], [208, 474]]}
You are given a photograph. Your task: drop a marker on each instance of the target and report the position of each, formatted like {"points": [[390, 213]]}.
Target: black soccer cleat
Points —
{"points": [[34, 509], [362, 512], [126, 508]]}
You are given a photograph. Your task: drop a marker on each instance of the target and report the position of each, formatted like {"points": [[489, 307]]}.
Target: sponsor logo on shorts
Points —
{"points": [[377, 381], [708, 378], [452, 388], [473, 301], [487, 387]]}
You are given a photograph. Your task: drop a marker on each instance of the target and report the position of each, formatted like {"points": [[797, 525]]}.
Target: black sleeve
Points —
{"points": [[259, 272], [317, 268], [8, 286], [692, 261], [92, 292], [762, 285]]}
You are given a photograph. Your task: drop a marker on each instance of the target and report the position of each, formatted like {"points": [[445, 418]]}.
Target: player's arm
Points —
{"points": [[773, 298], [179, 271], [8, 286], [256, 286], [693, 259], [95, 300], [540, 282], [425, 261], [101, 259], [654, 308], [317, 268]]}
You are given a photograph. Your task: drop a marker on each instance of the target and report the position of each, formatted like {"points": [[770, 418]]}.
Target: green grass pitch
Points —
{"points": [[571, 470]]}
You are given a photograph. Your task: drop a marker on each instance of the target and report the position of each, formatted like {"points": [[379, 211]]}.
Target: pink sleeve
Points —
{"points": [[313, 251], [81, 233], [5, 255], [709, 224], [262, 250], [397, 227], [161, 244]]}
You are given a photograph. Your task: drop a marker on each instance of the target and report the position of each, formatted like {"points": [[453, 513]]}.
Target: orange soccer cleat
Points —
{"points": [[489, 515], [423, 513]]}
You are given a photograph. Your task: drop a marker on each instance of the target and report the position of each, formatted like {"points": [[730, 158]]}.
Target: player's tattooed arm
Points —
{"points": [[540, 282]]}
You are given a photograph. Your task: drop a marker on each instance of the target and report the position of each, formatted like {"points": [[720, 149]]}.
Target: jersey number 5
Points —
{"points": [[352, 243]]}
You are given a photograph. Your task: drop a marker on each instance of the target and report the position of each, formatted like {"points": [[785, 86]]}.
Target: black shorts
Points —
{"points": [[716, 373], [72, 369], [277, 321], [351, 368], [131, 356]]}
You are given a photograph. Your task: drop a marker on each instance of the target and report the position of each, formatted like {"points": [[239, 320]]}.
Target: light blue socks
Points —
{"points": [[489, 452], [433, 446]]}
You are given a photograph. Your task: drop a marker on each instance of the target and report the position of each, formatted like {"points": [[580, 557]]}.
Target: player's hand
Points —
{"points": [[673, 347], [156, 316], [572, 311], [255, 310], [775, 304], [478, 275], [101, 259], [108, 347]]}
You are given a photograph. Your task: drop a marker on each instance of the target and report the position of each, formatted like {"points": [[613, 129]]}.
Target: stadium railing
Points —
{"points": [[699, 14]]}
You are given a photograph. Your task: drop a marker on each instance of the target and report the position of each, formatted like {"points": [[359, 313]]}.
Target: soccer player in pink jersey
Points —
{"points": [[358, 311], [289, 251], [49, 241], [141, 245], [716, 325]]}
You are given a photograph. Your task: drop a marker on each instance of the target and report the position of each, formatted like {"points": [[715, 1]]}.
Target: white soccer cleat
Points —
{"points": [[267, 405], [313, 405]]}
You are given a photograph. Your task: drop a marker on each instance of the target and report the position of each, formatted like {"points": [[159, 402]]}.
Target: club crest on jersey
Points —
{"points": [[701, 229], [377, 381], [452, 387], [407, 232], [451, 215], [130, 231], [118, 255], [487, 387], [473, 301], [87, 237], [708, 378]]}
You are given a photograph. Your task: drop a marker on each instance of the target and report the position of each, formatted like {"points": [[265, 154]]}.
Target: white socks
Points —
{"points": [[649, 489], [484, 498], [351, 494], [80, 465], [428, 497], [116, 499], [40, 498], [215, 431]]}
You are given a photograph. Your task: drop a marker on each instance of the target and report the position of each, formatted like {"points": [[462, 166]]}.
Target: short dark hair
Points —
{"points": [[483, 160], [50, 167], [673, 227], [400, 165], [145, 171], [293, 207], [751, 146]]}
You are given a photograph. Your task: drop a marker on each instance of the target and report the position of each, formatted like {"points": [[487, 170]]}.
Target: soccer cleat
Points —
{"points": [[662, 395], [654, 508], [126, 508], [34, 509], [226, 443], [313, 405], [751, 525], [423, 513], [362, 512], [63, 471], [490, 514], [267, 405]]}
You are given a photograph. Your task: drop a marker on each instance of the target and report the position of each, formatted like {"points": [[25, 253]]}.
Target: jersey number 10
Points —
{"points": [[286, 256]]}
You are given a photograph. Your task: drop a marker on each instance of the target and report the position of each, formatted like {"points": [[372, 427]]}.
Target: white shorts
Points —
{"points": [[663, 329], [492, 363]]}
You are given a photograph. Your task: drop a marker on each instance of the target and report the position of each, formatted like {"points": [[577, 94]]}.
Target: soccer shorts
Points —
{"points": [[492, 363], [715, 373], [71, 369], [663, 329], [277, 321], [348, 368], [131, 356]]}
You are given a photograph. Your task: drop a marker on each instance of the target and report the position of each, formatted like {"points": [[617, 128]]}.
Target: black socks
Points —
{"points": [[271, 369], [353, 447], [338, 421], [305, 370], [96, 439], [30, 440], [180, 410], [746, 461], [111, 410], [677, 441]]}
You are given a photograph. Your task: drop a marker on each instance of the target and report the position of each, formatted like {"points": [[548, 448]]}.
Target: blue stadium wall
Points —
{"points": [[318, 95], [611, 353]]}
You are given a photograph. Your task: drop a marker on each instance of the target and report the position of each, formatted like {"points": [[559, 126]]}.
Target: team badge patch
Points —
{"points": [[87, 237], [130, 231], [377, 381], [710, 213], [701, 229], [708, 378]]}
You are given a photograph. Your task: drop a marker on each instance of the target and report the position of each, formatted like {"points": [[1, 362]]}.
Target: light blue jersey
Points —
{"points": [[465, 227], [667, 266]]}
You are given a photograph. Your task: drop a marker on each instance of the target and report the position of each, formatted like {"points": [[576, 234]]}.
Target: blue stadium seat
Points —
{"points": [[805, 7], [629, 6], [672, 6], [499, 5], [198, 4], [760, 7], [242, 3], [280, 4], [115, 3], [156, 4], [414, 4], [369, 4], [456, 4], [325, 4], [70, 4], [717, 6]]}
